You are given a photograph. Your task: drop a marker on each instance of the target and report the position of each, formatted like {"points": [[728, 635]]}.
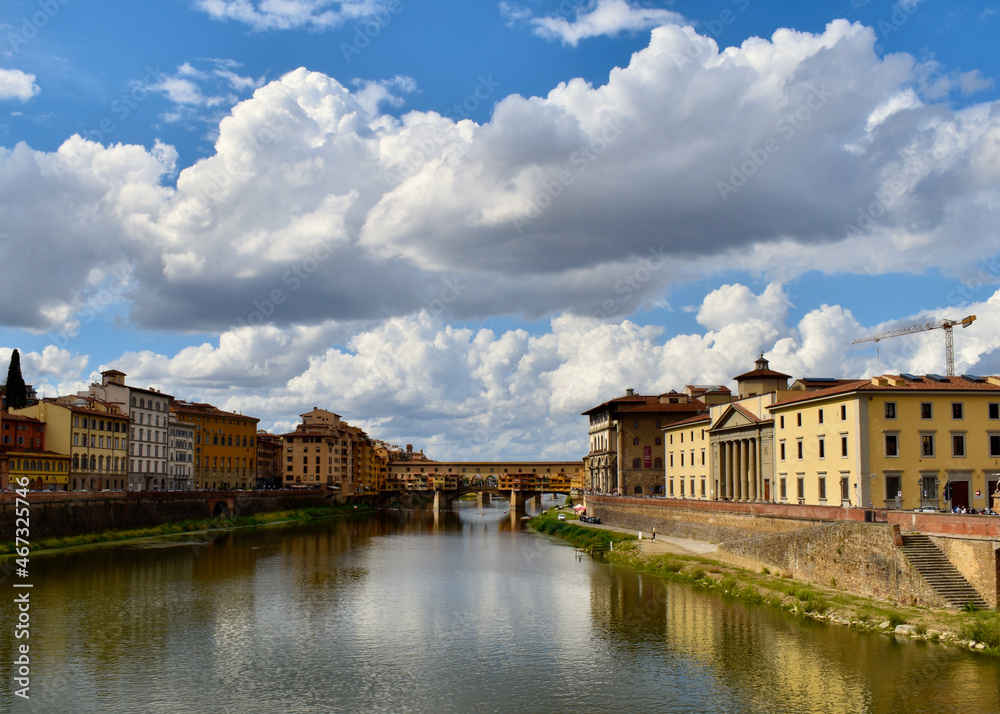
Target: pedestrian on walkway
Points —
{"points": [[654, 532]]}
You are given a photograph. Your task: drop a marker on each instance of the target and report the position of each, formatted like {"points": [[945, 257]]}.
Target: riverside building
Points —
{"points": [[893, 441], [149, 414], [94, 434], [626, 453], [225, 450]]}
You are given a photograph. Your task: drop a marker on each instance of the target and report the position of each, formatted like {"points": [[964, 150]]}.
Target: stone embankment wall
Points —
{"points": [[68, 514], [823, 545]]}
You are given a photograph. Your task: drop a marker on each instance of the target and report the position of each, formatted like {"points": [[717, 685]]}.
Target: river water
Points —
{"points": [[465, 611]]}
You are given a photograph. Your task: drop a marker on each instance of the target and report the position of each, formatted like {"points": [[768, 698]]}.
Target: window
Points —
{"points": [[843, 445], [635, 441], [798, 446], [703, 459], [670, 439], [682, 437], [783, 488], [822, 488], [993, 408], [822, 448], [890, 410], [958, 444], [781, 450], [925, 410], [927, 445], [800, 488], [845, 490], [892, 489], [994, 444], [658, 441], [820, 414], [956, 410], [798, 419], [657, 463], [843, 412], [703, 488], [892, 444], [781, 422], [671, 460], [682, 459]]}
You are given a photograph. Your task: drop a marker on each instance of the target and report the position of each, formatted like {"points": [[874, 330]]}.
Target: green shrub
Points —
{"points": [[985, 628]]}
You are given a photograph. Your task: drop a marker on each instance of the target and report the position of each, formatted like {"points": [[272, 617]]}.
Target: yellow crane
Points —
{"points": [[946, 325]]}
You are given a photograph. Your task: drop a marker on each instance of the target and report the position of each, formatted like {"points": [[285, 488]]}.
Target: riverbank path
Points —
{"points": [[663, 543]]}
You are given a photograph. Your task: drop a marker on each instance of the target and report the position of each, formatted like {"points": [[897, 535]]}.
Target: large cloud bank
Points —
{"points": [[783, 155]]}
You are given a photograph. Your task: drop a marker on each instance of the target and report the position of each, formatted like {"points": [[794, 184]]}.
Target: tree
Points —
{"points": [[17, 393]]}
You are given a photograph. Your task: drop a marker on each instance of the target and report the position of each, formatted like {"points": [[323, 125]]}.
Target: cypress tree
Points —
{"points": [[17, 393]]}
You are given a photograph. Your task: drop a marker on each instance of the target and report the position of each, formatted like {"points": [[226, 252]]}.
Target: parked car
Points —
{"points": [[562, 516]]}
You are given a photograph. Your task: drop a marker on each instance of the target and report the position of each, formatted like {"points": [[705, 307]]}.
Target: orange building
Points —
{"points": [[225, 446]]}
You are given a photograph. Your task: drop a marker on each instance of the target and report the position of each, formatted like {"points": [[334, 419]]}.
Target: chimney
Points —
{"points": [[630, 392]]}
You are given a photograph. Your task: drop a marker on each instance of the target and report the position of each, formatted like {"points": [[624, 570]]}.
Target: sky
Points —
{"points": [[459, 225]]}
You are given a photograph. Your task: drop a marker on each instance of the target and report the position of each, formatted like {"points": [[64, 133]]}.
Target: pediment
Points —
{"points": [[733, 418]]}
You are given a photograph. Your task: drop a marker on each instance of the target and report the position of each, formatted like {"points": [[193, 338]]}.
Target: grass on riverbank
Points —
{"points": [[979, 630], [192, 526], [588, 539]]}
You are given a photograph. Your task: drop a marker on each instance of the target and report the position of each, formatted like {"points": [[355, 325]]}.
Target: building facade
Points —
{"points": [[225, 446], [320, 453], [268, 460], [180, 455], [94, 435], [25, 458], [893, 441], [426, 475], [626, 441], [149, 414]]}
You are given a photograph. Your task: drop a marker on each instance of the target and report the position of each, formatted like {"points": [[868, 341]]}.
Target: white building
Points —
{"points": [[149, 411], [180, 455]]}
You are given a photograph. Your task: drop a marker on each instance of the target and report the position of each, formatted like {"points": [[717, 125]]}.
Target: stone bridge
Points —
{"points": [[517, 497]]}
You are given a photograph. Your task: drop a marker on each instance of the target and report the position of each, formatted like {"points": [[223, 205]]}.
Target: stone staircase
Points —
{"points": [[938, 571]]}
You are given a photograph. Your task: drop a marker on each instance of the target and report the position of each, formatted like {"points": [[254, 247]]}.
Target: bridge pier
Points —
{"points": [[437, 501], [479, 500], [516, 502]]}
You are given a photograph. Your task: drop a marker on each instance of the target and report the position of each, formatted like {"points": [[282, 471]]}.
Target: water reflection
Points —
{"points": [[458, 610]]}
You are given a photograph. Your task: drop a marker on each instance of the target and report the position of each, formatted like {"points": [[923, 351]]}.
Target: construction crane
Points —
{"points": [[946, 325]]}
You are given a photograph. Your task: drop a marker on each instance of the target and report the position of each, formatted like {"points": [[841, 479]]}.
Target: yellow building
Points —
{"points": [[225, 449], [45, 470], [893, 441], [688, 466], [95, 436]]}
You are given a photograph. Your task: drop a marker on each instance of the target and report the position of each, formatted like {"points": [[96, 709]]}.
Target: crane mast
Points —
{"points": [[946, 325]]}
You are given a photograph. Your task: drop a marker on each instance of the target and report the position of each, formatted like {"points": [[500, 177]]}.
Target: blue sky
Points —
{"points": [[439, 218]]}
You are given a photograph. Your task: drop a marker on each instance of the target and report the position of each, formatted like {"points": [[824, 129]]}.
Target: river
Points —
{"points": [[464, 611]]}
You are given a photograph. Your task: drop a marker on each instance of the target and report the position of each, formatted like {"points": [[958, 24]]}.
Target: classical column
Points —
{"points": [[737, 470], [754, 490], [744, 487], [720, 492], [729, 470]]}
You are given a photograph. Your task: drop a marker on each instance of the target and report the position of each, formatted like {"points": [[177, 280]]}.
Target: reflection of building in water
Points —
{"points": [[741, 648]]}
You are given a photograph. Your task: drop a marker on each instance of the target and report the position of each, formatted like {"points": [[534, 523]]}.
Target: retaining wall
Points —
{"points": [[847, 548], [69, 514]]}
